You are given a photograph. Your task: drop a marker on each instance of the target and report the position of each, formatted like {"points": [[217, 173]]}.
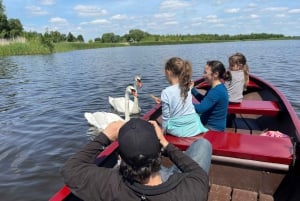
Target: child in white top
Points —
{"points": [[237, 77]]}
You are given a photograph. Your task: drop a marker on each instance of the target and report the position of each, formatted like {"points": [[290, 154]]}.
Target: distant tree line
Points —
{"points": [[136, 35]]}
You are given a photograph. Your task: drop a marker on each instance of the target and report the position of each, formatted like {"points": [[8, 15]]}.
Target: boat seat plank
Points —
{"points": [[265, 197], [258, 107], [219, 193], [241, 195], [251, 147]]}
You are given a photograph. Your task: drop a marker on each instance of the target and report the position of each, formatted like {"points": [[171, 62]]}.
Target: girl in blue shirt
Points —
{"points": [[179, 117]]}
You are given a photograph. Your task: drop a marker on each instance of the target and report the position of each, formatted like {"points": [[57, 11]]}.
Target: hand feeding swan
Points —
{"points": [[101, 119], [119, 103]]}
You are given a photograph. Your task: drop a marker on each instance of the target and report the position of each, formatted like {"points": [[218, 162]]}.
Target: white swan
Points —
{"points": [[101, 119], [119, 103]]}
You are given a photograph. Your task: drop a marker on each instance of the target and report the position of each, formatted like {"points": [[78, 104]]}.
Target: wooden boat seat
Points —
{"points": [[242, 146], [259, 107]]}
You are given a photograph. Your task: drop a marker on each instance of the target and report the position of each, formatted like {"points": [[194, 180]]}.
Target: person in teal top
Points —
{"points": [[213, 106], [179, 117]]}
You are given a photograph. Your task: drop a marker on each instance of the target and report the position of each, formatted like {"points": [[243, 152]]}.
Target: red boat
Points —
{"points": [[256, 158]]}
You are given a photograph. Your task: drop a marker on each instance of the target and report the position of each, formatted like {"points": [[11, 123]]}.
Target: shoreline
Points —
{"points": [[36, 48]]}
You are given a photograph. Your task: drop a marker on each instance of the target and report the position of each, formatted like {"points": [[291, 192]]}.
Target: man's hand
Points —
{"points": [[160, 135], [112, 130]]}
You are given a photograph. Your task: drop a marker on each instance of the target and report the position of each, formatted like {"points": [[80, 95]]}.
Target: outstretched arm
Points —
{"points": [[196, 94]]}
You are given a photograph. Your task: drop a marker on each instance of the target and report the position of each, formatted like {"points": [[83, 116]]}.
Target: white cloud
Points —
{"points": [[213, 19], [171, 23], [294, 11], [58, 20], [280, 15], [87, 11], [174, 4], [36, 10], [47, 2], [252, 5], [119, 17], [98, 21], [276, 9], [254, 16], [164, 15], [232, 10]]}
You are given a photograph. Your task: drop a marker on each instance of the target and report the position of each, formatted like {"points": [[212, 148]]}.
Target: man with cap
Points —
{"points": [[139, 176]]}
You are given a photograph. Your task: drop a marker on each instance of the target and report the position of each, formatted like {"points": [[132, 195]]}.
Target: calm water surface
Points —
{"points": [[43, 98]]}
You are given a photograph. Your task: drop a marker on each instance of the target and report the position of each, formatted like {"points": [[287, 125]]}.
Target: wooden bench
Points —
{"points": [[259, 107], [268, 150]]}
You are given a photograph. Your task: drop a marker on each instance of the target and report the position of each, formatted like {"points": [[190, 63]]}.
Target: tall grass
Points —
{"points": [[35, 47], [28, 48], [63, 47]]}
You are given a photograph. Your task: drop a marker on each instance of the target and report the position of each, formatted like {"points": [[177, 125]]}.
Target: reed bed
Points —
{"points": [[28, 48], [35, 47]]}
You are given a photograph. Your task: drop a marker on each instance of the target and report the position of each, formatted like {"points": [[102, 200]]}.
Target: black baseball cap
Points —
{"points": [[138, 142]]}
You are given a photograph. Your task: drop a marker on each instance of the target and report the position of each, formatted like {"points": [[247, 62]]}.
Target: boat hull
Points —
{"points": [[243, 160]]}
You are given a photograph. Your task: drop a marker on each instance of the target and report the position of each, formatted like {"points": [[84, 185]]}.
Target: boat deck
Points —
{"points": [[225, 193]]}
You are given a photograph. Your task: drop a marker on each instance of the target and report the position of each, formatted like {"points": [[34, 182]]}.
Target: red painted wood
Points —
{"points": [[251, 84], [259, 107], [252, 147], [61, 194]]}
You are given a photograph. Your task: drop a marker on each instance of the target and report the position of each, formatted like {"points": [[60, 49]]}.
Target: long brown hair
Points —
{"points": [[183, 70], [240, 60]]}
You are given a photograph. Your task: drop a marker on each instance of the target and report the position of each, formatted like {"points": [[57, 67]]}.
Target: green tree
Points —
{"points": [[136, 35], [15, 28], [47, 41], [56, 36], [108, 37], [70, 37], [3, 22], [80, 38], [97, 39]]}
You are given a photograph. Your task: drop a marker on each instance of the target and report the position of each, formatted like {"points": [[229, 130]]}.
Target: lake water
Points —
{"points": [[43, 99]]}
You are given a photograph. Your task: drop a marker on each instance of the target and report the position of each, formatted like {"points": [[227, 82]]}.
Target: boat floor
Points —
{"points": [[225, 193]]}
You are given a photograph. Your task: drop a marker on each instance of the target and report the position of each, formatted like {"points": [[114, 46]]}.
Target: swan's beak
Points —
{"points": [[139, 83], [134, 93]]}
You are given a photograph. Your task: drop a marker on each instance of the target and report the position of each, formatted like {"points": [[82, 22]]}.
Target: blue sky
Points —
{"points": [[92, 18]]}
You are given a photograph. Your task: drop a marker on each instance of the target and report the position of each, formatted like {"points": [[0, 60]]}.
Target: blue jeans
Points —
{"points": [[200, 151]]}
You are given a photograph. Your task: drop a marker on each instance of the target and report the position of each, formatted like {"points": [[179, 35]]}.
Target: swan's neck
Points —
{"points": [[135, 99], [127, 116], [135, 103]]}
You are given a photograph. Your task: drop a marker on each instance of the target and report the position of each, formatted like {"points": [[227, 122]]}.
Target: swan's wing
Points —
{"points": [[110, 100], [119, 104], [91, 119], [101, 119]]}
